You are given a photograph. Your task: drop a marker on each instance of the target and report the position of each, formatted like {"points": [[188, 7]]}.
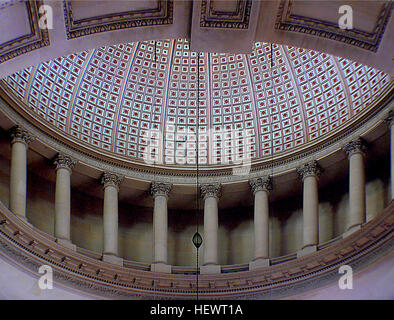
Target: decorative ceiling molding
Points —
{"points": [[8, 3], [35, 39], [287, 21], [75, 28], [236, 19]]}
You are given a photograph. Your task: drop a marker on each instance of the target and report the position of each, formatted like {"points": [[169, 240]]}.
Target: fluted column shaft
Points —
{"points": [[355, 152], [210, 194], [64, 165], [18, 175], [261, 188], [311, 211], [160, 192], [390, 120], [111, 188], [309, 174], [392, 157]]}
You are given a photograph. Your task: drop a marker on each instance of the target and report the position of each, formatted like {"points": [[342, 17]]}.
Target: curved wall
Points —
{"points": [[373, 282]]}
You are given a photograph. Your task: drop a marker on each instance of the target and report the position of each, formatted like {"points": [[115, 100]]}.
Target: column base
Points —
{"points": [[306, 250], [160, 267], [67, 243], [351, 230], [111, 258], [259, 263], [210, 269]]}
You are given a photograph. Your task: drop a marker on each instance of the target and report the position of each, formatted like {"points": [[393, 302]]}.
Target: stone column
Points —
{"points": [[20, 139], [355, 152], [261, 188], [211, 194], [390, 120], [160, 192], [111, 184], [64, 166], [309, 173]]}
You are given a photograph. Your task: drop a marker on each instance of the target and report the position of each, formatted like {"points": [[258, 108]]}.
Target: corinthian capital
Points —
{"points": [[111, 179], [310, 168], [261, 184], [160, 189], [390, 117], [355, 146], [211, 190], [64, 162], [18, 134]]}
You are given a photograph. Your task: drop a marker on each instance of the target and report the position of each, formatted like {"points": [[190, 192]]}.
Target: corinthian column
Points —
{"points": [[20, 139], [261, 188], [64, 165], [309, 173], [160, 192], [355, 152], [211, 194], [390, 120], [111, 184]]}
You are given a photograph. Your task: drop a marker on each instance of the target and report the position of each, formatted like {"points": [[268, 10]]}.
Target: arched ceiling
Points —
{"points": [[107, 98]]}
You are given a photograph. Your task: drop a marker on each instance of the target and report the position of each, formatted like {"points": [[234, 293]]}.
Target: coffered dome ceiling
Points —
{"points": [[107, 98]]}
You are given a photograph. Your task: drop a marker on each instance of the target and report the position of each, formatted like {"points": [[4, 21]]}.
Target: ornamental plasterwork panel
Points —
{"points": [[27, 40], [287, 20], [230, 14], [122, 15]]}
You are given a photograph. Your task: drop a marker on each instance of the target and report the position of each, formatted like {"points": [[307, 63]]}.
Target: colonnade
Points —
{"points": [[210, 193]]}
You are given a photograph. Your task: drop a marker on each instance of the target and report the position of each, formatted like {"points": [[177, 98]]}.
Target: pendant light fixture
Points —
{"points": [[197, 239]]}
